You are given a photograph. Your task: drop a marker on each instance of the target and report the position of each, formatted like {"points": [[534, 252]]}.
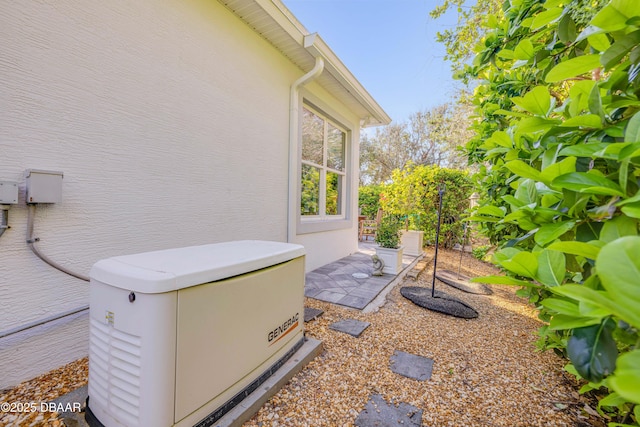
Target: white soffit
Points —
{"points": [[273, 21]]}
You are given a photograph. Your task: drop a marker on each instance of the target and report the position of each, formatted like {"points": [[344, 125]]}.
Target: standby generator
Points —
{"points": [[178, 337]]}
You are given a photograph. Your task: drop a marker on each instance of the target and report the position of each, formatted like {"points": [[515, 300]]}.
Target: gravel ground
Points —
{"points": [[486, 371]]}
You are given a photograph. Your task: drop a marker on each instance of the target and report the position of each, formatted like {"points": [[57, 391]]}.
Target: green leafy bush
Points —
{"points": [[388, 232], [369, 200], [480, 252], [413, 195], [559, 138]]}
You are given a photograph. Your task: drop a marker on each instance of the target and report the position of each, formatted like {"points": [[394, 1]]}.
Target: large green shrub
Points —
{"points": [[559, 133], [388, 232], [369, 200], [413, 195]]}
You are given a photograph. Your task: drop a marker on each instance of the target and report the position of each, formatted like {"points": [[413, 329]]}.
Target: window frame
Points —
{"points": [[324, 222]]}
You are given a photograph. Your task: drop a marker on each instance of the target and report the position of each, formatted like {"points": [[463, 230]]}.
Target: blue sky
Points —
{"points": [[389, 45]]}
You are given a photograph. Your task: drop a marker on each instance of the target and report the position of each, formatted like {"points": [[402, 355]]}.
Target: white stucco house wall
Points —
{"points": [[174, 123]]}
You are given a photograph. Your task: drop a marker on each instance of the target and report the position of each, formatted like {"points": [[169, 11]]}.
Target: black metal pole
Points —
{"points": [[441, 189], [464, 242]]}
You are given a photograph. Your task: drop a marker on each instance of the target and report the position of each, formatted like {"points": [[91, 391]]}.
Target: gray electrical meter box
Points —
{"points": [[43, 186], [8, 193]]}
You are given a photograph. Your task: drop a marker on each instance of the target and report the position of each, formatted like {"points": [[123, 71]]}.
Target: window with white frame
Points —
{"points": [[324, 174]]}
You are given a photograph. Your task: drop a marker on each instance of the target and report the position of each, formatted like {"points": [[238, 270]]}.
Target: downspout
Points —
{"points": [[294, 104]]}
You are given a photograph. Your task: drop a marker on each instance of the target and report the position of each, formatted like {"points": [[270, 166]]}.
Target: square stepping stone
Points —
{"points": [[350, 326], [377, 412], [312, 313], [411, 366]]}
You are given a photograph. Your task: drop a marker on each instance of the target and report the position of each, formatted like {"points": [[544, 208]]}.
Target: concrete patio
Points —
{"points": [[336, 284]]}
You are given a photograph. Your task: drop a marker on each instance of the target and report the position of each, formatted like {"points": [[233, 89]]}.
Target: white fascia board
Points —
{"points": [[312, 44], [317, 47]]}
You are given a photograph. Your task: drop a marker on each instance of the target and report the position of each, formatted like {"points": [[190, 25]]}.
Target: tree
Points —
{"points": [[558, 135], [461, 41], [389, 149], [430, 137]]}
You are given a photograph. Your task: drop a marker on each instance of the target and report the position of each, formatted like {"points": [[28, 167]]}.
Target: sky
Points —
{"points": [[390, 47]]}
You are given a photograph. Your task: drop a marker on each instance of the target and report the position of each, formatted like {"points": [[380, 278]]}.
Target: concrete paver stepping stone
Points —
{"points": [[411, 366], [378, 413], [350, 326], [312, 313]]}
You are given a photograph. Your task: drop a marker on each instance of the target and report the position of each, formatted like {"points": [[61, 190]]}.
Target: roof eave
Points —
{"points": [[273, 21]]}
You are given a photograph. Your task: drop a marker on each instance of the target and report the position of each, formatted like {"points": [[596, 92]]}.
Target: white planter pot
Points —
{"points": [[412, 241], [392, 259]]}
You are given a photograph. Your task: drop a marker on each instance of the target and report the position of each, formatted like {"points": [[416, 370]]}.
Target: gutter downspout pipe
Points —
{"points": [[294, 104]]}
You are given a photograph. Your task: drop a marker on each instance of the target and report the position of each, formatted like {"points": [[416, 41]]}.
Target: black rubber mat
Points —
{"points": [[442, 302], [462, 282]]}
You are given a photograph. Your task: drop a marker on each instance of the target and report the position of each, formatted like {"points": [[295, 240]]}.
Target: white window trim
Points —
{"points": [[318, 223]]}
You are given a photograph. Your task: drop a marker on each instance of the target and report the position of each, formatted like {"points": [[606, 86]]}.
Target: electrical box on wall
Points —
{"points": [[8, 193], [43, 186]]}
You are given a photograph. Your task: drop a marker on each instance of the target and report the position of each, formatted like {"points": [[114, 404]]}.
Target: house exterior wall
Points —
{"points": [[170, 122]]}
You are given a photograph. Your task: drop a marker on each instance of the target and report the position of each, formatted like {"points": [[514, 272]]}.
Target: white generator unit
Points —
{"points": [[179, 337]]}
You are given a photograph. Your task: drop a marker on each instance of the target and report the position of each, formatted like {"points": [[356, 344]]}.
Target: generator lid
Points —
{"points": [[173, 269]]}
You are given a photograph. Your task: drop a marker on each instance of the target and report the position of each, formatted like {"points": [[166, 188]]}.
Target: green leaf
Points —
{"points": [[632, 133], [554, 170], [582, 293], [599, 42], [483, 218], [561, 306], [613, 399], [626, 377], [612, 151], [633, 199], [502, 139], [583, 150], [490, 210], [586, 250], [515, 203], [535, 124], [506, 54], [619, 226], [551, 268], [522, 169], [618, 267], [584, 182], [629, 151], [588, 231], [593, 351], [587, 120], [501, 280], [545, 18], [563, 321], [590, 32], [614, 16], [550, 232], [523, 264], [526, 191], [619, 49], [511, 113], [632, 210], [524, 50], [567, 29], [573, 67], [537, 101]]}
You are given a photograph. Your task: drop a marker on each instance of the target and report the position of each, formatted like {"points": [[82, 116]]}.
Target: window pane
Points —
{"points": [[335, 147], [312, 137], [309, 204], [334, 193]]}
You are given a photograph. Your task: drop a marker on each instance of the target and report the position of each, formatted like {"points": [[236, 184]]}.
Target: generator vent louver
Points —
{"points": [[114, 372]]}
